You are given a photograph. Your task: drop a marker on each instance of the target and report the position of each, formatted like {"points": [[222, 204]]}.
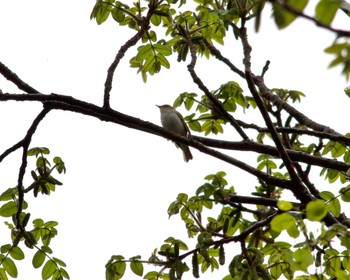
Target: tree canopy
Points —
{"points": [[291, 150]]}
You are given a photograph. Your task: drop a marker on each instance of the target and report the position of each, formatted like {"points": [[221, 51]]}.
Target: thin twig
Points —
{"points": [[110, 72], [206, 91]]}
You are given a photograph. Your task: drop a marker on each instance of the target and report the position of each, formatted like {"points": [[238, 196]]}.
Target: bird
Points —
{"points": [[172, 120]]}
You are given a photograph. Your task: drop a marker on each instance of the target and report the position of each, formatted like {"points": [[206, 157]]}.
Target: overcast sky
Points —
{"points": [[119, 181]]}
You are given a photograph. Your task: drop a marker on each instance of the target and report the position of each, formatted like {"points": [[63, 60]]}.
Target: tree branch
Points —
{"points": [[68, 103], [9, 75], [218, 105], [299, 189], [25, 144], [301, 118], [285, 5], [297, 156], [144, 23]]}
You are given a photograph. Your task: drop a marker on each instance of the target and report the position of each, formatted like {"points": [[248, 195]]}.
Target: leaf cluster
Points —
{"points": [[41, 232]]}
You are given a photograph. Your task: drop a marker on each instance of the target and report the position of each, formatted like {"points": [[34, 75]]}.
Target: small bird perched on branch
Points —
{"points": [[172, 120]]}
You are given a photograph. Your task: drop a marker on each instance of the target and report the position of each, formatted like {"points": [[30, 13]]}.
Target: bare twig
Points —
{"points": [[8, 74], [299, 190]]}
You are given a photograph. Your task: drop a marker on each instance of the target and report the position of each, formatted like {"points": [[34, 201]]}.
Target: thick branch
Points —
{"points": [[68, 103], [297, 156], [256, 200]]}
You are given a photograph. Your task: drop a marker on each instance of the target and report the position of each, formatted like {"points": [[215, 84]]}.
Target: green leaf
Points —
{"points": [[8, 209], [163, 61], [50, 224], [8, 194], [101, 11], [165, 50], [286, 222], [152, 275], [37, 151], [17, 253], [156, 19], [182, 197], [64, 273], [338, 150], [333, 204], [144, 52], [119, 269], [302, 259], [316, 210], [59, 262], [10, 267], [284, 205], [137, 268], [326, 10], [345, 193], [38, 259], [3, 275], [5, 248], [347, 92], [48, 269], [282, 17], [149, 63], [60, 167], [195, 126]]}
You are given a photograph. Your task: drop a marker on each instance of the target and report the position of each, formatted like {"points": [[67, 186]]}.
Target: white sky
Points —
{"points": [[119, 181]]}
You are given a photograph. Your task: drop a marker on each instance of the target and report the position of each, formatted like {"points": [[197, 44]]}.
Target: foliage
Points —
{"points": [[40, 236], [289, 146]]}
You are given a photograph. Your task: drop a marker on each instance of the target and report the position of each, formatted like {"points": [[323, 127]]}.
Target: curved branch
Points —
{"points": [[144, 23], [25, 144], [110, 72]]}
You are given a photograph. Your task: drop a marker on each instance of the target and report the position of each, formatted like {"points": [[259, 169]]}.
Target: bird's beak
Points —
{"points": [[158, 106]]}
